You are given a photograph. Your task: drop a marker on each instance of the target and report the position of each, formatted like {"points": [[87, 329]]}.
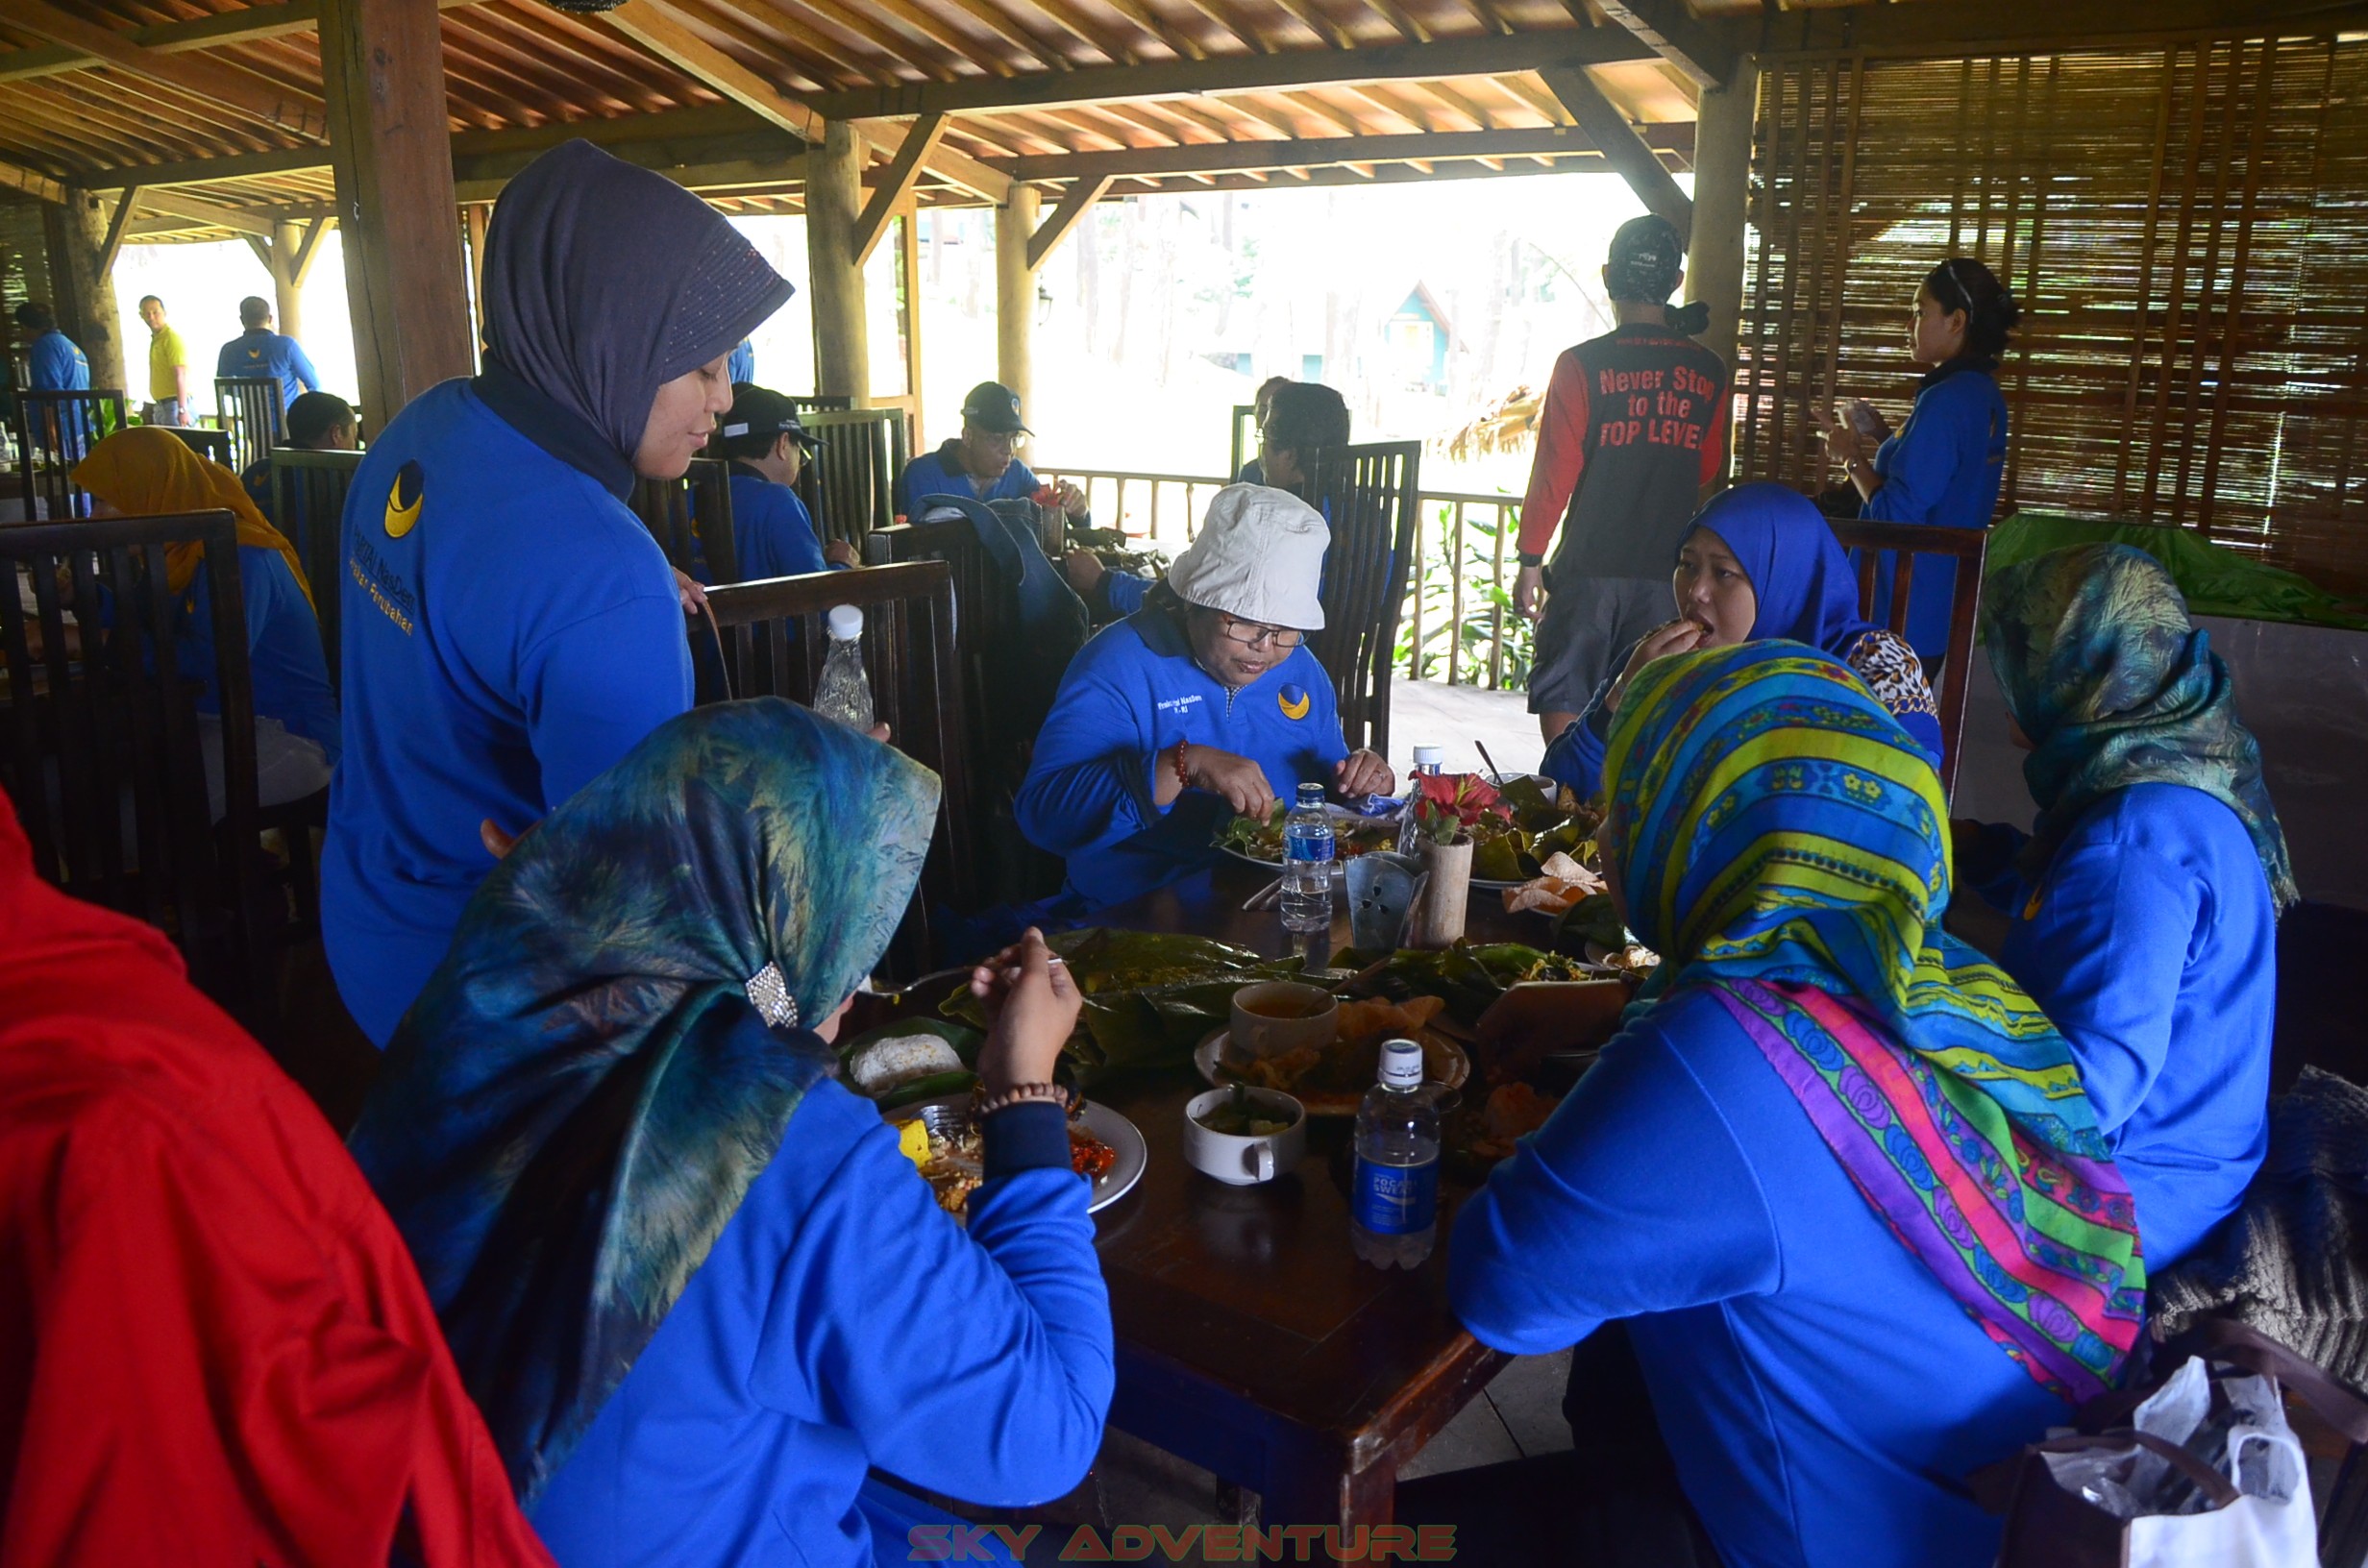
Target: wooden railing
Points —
{"points": [[1458, 624]]}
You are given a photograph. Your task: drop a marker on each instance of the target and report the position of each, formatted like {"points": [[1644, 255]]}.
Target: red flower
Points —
{"points": [[1046, 496], [1466, 798]]}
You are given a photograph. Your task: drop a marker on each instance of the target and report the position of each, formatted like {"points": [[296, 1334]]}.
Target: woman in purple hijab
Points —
{"points": [[510, 629]]}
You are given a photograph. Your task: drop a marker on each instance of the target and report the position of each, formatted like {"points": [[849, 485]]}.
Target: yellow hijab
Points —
{"points": [[149, 472]]}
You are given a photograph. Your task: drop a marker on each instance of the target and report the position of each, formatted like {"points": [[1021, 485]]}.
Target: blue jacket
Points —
{"points": [[1821, 1392], [742, 365], [1944, 467], [2153, 944], [935, 474], [267, 354], [285, 667], [1132, 692], [57, 364], [772, 533], [842, 1321], [510, 629]]}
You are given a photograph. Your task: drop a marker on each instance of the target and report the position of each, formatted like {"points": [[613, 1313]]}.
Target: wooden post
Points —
{"points": [[287, 244], [475, 216], [383, 67], [1721, 201], [908, 258], [1015, 292], [833, 201], [86, 292]]}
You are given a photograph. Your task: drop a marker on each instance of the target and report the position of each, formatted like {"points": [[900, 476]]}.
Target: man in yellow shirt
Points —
{"points": [[168, 368]]}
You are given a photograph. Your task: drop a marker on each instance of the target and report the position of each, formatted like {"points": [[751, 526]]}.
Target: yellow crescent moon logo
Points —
{"points": [[402, 501], [1291, 709]]}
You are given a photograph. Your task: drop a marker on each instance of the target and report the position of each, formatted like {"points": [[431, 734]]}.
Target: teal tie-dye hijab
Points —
{"points": [[2115, 686], [576, 1104]]}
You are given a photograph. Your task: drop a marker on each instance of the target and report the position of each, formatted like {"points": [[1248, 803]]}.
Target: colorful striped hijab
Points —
{"points": [[573, 1108], [1779, 839], [2115, 686]]}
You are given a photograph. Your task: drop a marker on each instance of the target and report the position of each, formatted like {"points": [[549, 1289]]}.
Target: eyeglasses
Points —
{"points": [[1008, 440], [1249, 633]]}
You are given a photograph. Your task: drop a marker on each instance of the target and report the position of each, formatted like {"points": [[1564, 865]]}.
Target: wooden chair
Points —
{"points": [[210, 444], [849, 485], [691, 520], [100, 747], [1868, 543], [1369, 495], [54, 431], [1244, 438], [307, 504], [820, 402], [995, 741], [774, 644], [254, 416]]}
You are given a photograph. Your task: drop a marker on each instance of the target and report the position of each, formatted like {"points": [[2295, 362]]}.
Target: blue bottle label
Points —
{"points": [[1304, 845], [1395, 1200]]}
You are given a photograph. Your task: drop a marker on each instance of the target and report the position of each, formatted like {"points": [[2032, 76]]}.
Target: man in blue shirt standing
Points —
{"points": [[772, 534], [742, 367], [57, 364], [259, 354], [978, 464]]}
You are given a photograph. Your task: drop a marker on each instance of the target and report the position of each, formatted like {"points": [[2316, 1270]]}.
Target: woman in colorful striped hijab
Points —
{"points": [[1839, 1173]]}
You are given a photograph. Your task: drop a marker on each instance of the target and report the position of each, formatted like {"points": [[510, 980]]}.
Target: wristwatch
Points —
{"points": [[1528, 560]]}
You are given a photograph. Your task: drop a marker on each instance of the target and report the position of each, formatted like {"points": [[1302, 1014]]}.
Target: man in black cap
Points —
{"points": [[978, 464], [1634, 425], [773, 533]]}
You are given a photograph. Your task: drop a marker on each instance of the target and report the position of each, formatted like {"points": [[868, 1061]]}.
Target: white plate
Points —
{"points": [[1122, 1135], [1339, 814]]}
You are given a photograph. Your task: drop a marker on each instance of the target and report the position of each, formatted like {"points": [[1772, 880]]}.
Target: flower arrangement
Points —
{"points": [[1447, 806]]}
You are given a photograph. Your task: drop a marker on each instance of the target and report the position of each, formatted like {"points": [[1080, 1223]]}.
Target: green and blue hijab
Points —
{"points": [[2115, 686], [577, 1104], [1781, 840]]}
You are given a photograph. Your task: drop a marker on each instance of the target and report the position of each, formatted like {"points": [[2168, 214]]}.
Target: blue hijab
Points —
{"points": [[576, 1104], [1807, 591]]}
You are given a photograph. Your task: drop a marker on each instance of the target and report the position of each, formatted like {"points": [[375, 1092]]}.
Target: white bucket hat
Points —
{"points": [[1259, 557]]}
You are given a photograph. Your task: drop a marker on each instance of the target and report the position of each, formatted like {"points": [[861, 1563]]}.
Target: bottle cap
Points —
{"points": [[1401, 1064], [846, 622], [1311, 794], [1430, 756]]}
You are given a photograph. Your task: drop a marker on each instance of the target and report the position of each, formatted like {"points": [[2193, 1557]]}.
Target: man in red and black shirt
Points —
{"points": [[1634, 425]]}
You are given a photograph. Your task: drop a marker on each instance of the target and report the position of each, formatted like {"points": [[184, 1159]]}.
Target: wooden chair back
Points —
{"points": [[1868, 543], [1244, 438], [852, 477], [691, 520], [100, 747], [819, 403], [213, 445], [1370, 494], [307, 504], [54, 431], [774, 644], [252, 415]]}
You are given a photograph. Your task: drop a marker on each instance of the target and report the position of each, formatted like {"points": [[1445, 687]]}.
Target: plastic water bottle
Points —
{"points": [[1393, 1198], [1430, 759], [1308, 853], [843, 693]]}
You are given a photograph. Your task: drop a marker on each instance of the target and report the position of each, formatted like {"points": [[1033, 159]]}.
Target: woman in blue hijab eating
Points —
{"points": [[691, 1281], [509, 628], [1759, 562]]}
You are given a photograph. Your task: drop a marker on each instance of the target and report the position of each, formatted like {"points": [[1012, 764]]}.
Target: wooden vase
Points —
{"points": [[1439, 917]]}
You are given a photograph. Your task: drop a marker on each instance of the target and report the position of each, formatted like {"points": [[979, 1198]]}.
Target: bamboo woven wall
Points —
{"points": [[2186, 228]]}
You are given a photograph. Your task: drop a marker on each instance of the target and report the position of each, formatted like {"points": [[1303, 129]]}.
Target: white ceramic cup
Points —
{"points": [[1243, 1160], [1275, 1017]]}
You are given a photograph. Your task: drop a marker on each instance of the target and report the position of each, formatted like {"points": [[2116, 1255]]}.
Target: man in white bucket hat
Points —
{"points": [[1204, 704]]}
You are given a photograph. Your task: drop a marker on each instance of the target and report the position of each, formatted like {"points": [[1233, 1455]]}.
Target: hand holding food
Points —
{"points": [[1242, 782], [1084, 569], [1031, 1005], [1677, 636]]}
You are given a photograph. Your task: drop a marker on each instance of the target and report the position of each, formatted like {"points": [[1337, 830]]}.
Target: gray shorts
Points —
{"points": [[1589, 621]]}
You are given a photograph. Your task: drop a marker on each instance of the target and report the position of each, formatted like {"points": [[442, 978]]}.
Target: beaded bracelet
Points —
{"points": [[1022, 1095], [1183, 773]]}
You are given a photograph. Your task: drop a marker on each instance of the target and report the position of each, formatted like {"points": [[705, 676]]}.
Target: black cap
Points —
{"points": [[994, 406], [1647, 256], [759, 410]]}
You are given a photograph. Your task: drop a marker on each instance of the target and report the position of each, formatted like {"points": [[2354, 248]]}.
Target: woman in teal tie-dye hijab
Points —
{"points": [[688, 1276], [2142, 908]]}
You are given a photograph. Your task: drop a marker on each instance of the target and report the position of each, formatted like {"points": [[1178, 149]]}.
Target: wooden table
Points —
{"points": [[1251, 1340]]}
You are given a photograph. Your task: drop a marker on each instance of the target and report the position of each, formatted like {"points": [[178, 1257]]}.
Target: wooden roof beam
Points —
{"points": [[1608, 128], [1489, 55], [253, 224], [1080, 199], [209, 79], [32, 182], [896, 184], [112, 246], [248, 25], [1951, 28], [1670, 31], [1311, 153], [661, 32]]}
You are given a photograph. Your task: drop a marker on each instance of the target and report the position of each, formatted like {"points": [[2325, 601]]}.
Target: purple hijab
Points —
{"points": [[604, 282]]}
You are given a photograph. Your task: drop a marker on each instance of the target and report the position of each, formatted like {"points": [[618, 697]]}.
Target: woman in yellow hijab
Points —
{"points": [[149, 472]]}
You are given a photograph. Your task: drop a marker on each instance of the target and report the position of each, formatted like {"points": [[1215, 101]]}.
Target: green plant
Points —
{"points": [[1487, 623]]}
